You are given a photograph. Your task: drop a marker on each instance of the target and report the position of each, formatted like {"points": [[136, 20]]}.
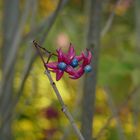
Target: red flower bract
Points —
{"points": [[63, 63], [67, 62], [86, 61]]}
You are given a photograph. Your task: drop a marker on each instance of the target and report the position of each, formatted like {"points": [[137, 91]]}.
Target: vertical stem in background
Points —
{"points": [[14, 46], [136, 99], [137, 21], [93, 41], [10, 10]]}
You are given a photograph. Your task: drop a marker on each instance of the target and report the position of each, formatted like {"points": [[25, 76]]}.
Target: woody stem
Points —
{"points": [[58, 95], [64, 107]]}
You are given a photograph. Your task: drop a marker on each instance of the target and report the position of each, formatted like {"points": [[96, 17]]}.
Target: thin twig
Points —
{"points": [[46, 22], [47, 51], [64, 107], [31, 60], [47, 26], [109, 20], [108, 24], [131, 94], [77, 103]]}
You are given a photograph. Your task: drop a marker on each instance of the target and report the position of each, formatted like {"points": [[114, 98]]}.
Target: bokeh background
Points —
{"points": [[29, 109]]}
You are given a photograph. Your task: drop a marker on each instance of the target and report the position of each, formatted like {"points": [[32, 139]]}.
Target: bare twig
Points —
{"points": [[46, 22], [28, 66], [51, 20], [64, 107], [75, 113], [110, 20], [108, 24], [47, 27], [31, 60], [130, 96]]}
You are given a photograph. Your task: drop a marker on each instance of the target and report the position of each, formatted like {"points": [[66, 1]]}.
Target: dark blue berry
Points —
{"points": [[74, 63], [87, 68], [62, 66]]}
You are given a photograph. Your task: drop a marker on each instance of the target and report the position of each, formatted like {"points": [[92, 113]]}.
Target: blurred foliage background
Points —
{"points": [[37, 114]]}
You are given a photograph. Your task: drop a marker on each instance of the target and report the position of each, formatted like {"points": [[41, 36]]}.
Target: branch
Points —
{"points": [[128, 98], [58, 95], [77, 103], [31, 60], [64, 108], [108, 24], [110, 20], [47, 22], [28, 67], [50, 21]]}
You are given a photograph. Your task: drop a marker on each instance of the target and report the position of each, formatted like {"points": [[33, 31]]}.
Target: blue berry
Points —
{"points": [[62, 66], [74, 63], [87, 68]]}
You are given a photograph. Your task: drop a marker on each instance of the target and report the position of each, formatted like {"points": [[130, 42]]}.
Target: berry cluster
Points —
{"points": [[74, 65]]}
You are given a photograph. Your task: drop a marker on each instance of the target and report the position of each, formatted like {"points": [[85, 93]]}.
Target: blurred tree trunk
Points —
{"points": [[10, 23], [93, 43]]}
